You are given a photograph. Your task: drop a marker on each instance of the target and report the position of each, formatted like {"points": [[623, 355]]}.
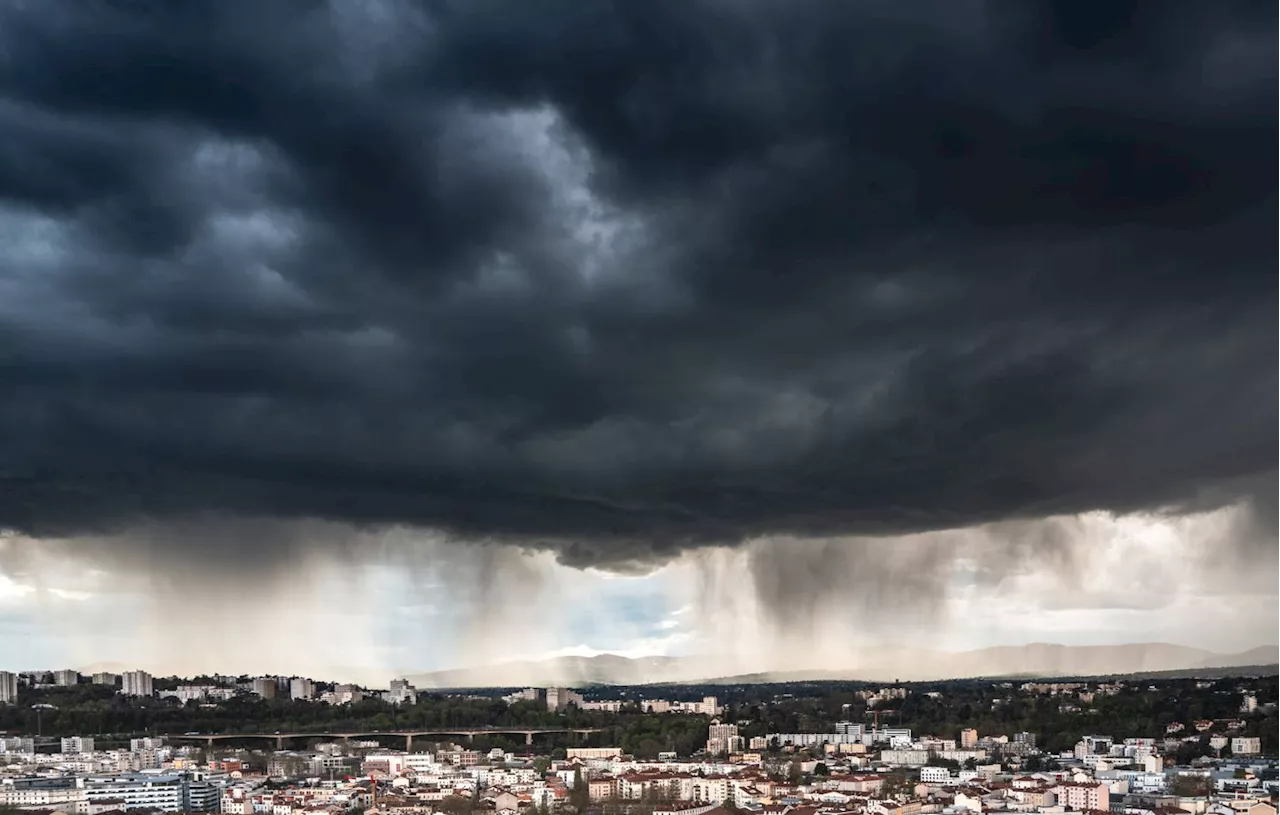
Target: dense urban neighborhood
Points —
{"points": [[106, 743]]}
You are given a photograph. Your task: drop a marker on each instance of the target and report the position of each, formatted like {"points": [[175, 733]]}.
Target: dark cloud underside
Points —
{"points": [[621, 278]]}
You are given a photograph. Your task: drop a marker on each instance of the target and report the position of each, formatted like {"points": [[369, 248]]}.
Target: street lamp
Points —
{"points": [[40, 709]]}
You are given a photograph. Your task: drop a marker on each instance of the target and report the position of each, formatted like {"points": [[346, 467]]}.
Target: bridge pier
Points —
{"points": [[408, 742], [279, 743], [528, 738]]}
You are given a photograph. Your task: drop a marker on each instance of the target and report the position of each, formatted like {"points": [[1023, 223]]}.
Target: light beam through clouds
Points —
{"points": [[764, 607]]}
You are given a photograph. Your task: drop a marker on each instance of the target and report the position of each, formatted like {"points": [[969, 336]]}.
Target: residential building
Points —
{"points": [[66, 678], [301, 688], [723, 738], [905, 758], [179, 792], [322, 764], [562, 698], [592, 752], [144, 759], [201, 796], [148, 743], [104, 678], [896, 737], [286, 765], [343, 695], [61, 794], [8, 687], [1249, 704], [17, 744], [77, 744], [968, 739], [854, 735], [602, 789], [264, 686], [849, 729], [1083, 796], [934, 775], [463, 758], [1093, 746], [135, 683], [605, 706], [401, 693], [526, 695], [138, 791], [1242, 745], [189, 693]]}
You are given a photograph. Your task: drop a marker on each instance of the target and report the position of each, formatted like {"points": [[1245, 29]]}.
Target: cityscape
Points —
{"points": [[292, 745]]}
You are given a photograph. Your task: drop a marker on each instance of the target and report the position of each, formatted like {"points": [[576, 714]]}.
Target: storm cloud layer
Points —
{"points": [[623, 278]]}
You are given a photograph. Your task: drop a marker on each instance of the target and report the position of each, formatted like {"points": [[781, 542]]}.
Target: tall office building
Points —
{"points": [[66, 678], [136, 683], [8, 687]]}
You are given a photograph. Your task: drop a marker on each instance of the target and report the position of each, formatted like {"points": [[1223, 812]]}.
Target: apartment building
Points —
{"points": [[179, 792], [1242, 745], [17, 744], [76, 745], [264, 686], [561, 698], [135, 683], [44, 793], [8, 687], [301, 688], [1083, 796]]}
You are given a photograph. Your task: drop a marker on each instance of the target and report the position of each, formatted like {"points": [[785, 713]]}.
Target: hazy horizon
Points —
{"points": [[877, 673], [368, 622]]}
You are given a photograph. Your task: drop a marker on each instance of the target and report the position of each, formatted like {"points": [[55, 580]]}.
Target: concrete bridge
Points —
{"points": [[407, 735]]}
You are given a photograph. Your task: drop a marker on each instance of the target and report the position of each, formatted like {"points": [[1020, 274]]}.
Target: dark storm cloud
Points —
{"points": [[622, 278]]}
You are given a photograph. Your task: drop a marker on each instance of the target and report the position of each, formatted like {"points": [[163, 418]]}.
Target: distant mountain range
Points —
{"points": [[873, 664]]}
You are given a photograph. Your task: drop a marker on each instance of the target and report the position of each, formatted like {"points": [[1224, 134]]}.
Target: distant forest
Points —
{"points": [[1143, 708]]}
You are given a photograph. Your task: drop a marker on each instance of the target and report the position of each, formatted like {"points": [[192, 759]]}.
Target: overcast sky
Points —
{"points": [[643, 325]]}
